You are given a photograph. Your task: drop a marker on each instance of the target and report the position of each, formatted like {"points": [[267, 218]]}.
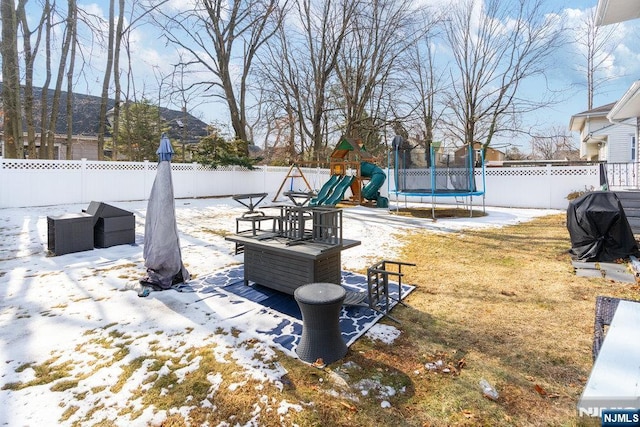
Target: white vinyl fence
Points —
{"points": [[51, 182], [540, 187]]}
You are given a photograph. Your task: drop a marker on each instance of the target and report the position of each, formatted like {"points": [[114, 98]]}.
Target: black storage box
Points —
{"points": [[70, 233], [119, 230], [112, 226]]}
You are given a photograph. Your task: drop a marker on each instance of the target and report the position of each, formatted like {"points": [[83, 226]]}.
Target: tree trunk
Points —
{"points": [[73, 19], [105, 83], [45, 117], [55, 102], [11, 82], [115, 130], [29, 53]]}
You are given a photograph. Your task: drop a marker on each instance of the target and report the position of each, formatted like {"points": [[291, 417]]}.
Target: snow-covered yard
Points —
{"points": [[79, 311]]}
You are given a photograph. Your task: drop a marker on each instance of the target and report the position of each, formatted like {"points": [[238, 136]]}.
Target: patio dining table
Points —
{"points": [[274, 263], [250, 201], [299, 198]]}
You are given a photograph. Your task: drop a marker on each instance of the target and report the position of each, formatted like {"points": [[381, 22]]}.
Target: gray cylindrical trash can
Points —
{"points": [[320, 304]]}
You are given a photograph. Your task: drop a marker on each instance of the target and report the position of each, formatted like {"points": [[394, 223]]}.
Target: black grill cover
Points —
{"points": [[599, 228]]}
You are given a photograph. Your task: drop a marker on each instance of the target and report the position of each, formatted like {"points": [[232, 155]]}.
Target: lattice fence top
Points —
{"points": [[94, 165], [116, 166], [543, 171], [21, 164]]}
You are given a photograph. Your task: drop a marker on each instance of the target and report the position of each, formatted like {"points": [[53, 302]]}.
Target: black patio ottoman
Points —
{"points": [[320, 304], [70, 232]]}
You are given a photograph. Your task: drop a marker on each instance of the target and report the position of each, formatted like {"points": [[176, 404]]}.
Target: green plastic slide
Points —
{"points": [[338, 191], [325, 191], [370, 191]]}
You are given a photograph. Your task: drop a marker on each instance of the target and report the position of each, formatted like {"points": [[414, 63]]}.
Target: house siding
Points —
{"points": [[619, 141], [593, 124]]}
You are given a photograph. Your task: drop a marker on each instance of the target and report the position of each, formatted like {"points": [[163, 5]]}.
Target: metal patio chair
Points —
{"points": [[377, 296]]}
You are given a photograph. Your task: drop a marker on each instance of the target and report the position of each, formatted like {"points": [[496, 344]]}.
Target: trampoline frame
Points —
{"points": [[434, 173]]}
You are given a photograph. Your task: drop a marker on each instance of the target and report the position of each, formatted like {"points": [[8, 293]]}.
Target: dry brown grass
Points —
{"points": [[502, 304]]}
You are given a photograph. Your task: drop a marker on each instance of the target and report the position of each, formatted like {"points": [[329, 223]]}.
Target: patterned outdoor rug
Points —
{"points": [[275, 316]]}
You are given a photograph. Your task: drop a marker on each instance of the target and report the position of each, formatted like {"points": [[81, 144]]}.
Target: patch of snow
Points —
{"points": [[285, 406], [384, 333]]}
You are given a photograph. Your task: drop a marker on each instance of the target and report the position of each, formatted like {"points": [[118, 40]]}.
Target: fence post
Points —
{"points": [[264, 179], [146, 174], [234, 171], [194, 181], [3, 188], [549, 185], [83, 180]]}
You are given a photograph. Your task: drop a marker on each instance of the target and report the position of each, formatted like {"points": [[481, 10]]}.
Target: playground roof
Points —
{"points": [[350, 145]]}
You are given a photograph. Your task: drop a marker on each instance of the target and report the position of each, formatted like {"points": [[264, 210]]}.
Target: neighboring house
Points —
{"points": [[183, 127], [618, 139], [490, 155], [602, 140], [420, 155]]}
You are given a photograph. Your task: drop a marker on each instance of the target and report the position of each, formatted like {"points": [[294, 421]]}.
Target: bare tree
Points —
{"points": [[115, 131], [44, 106], [496, 46], [69, 32], [137, 12], [371, 63], [29, 52], [300, 65], [554, 143], [281, 94], [223, 37], [597, 44], [11, 81], [425, 83], [187, 96], [73, 29], [104, 97]]}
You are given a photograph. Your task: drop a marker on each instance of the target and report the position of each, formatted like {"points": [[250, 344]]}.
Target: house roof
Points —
{"points": [[628, 106], [86, 111], [602, 134], [614, 11], [603, 131], [578, 120]]}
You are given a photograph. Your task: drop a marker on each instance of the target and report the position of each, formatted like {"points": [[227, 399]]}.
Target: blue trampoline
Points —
{"points": [[446, 176]]}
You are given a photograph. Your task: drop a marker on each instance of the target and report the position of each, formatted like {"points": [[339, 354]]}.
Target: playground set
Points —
{"points": [[351, 168], [299, 250]]}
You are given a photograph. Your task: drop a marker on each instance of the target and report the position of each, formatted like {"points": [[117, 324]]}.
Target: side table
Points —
{"points": [[320, 304]]}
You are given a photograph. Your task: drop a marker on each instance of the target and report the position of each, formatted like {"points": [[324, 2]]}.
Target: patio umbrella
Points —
{"points": [[162, 256], [165, 150]]}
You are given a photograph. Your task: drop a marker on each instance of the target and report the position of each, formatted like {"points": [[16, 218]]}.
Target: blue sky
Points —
{"points": [[152, 58]]}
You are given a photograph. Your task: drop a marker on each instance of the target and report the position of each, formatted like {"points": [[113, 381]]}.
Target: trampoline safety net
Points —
{"points": [[448, 175]]}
